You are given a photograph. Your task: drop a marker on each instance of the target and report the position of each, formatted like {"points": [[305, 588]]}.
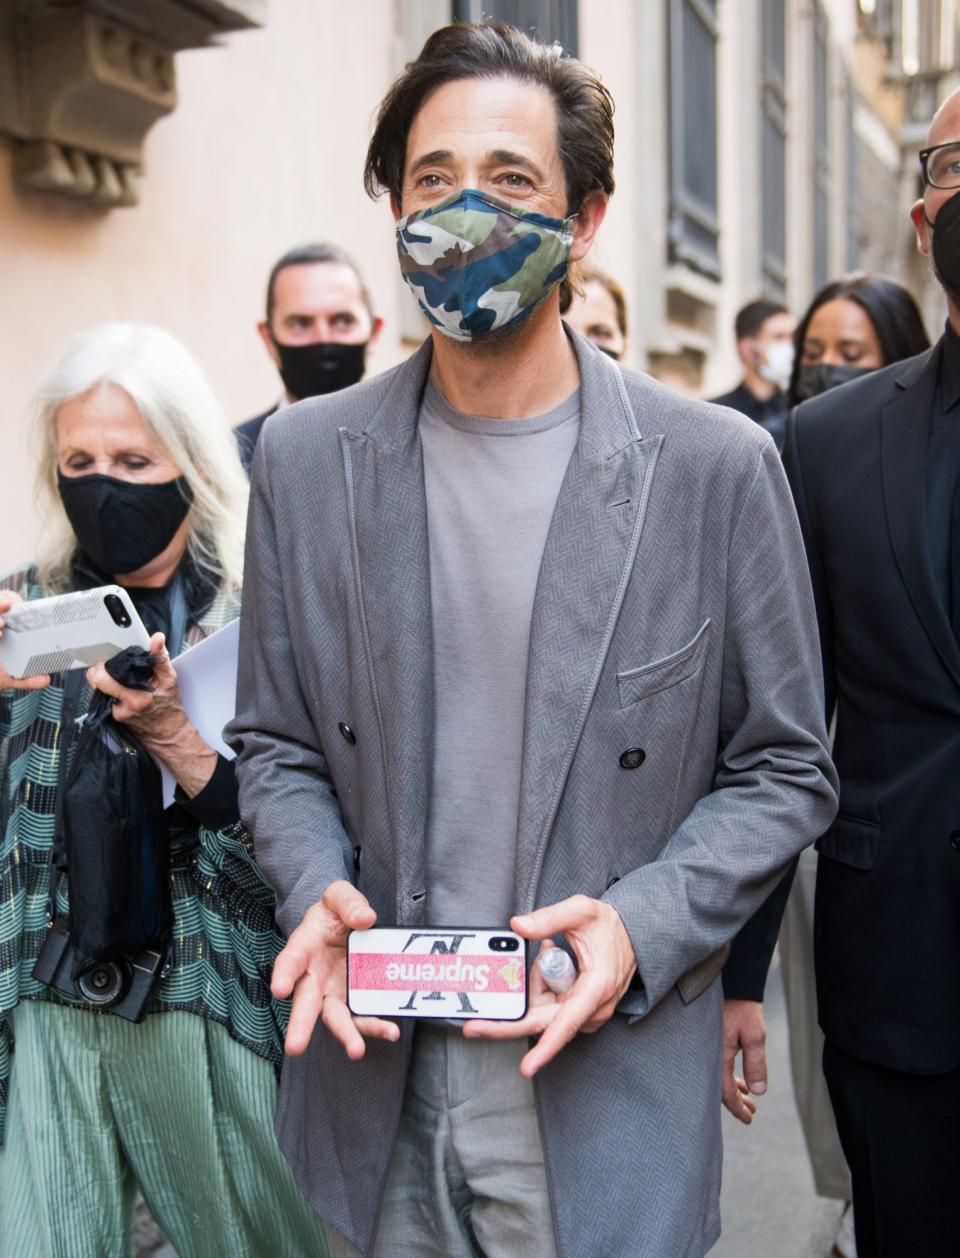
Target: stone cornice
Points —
{"points": [[83, 81]]}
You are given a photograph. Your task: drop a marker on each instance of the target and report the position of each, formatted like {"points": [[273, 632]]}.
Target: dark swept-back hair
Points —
{"points": [[490, 50], [889, 307], [305, 255], [751, 317]]}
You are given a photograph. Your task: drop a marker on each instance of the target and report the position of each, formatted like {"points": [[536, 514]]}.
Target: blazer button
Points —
{"points": [[955, 840], [633, 758], [347, 732]]}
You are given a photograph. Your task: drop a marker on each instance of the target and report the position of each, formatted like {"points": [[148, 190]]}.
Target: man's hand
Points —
{"points": [[744, 1032], [606, 962], [9, 599], [313, 966]]}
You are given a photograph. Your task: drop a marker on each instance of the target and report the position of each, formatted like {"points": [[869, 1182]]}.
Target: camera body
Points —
{"points": [[122, 987]]}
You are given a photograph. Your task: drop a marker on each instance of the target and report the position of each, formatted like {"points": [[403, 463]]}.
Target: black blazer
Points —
{"points": [[247, 434], [887, 919]]}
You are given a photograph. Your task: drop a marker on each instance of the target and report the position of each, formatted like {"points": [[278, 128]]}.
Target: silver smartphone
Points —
{"points": [[53, 635]]}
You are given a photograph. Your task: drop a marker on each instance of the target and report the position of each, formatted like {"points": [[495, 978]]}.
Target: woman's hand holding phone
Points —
{"points": [[9, 599]]}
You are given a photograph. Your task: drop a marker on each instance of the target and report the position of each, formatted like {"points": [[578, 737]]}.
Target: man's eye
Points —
{"points": [[430, 181], [344, 321], [77, 464], [513, 180]]}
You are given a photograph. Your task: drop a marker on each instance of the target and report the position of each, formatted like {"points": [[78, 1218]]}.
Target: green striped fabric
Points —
{"points": [[224, 939]]}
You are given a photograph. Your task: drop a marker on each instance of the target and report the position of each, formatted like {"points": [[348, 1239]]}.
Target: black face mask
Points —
{"points": [[324, 367], [120, 525], [610, 353], [946, 246], [816, 378]]}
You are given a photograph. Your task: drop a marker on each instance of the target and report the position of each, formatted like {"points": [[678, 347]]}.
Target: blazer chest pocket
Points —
{"points": [[662, 674], [851, 842]]}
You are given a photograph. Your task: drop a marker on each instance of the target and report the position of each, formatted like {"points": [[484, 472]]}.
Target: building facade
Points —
{"points": [[156, 156]]}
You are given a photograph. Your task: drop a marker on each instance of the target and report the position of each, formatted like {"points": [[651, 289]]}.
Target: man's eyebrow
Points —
{"points": [[436, 158], [506, 157]]}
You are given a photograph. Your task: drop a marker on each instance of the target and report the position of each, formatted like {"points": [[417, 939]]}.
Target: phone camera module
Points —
{"points": [[503, 943], [118, 613]]}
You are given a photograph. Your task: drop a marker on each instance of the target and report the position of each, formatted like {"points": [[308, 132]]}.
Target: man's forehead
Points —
{"points": [[317, 283], [946, 121], [480, 112]]}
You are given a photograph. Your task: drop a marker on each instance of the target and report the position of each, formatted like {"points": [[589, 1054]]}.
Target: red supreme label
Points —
{"points": [[434, 972]]}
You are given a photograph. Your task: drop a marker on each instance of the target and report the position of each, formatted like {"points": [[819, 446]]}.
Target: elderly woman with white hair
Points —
{"points": [[142, 486]]}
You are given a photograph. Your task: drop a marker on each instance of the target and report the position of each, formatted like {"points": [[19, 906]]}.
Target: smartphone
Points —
{"points": [[53, 635], [437, 972]]}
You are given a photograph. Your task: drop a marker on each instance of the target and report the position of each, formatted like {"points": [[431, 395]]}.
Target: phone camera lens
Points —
{"points": [[503, 943], [118, 613]]}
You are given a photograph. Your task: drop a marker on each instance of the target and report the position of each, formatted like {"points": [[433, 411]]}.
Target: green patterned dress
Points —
{"points": [[224, 939]]}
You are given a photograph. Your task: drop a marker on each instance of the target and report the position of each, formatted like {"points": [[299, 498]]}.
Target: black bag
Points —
{"points": [[114, 832]]}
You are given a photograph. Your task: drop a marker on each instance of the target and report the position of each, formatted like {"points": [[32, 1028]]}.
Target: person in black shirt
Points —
{"points": [[764, 332], [319, 324]]}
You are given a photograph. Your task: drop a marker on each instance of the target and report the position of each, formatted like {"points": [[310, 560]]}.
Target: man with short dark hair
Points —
{"points": [[319, 325], [526, 639], [764, 331]]}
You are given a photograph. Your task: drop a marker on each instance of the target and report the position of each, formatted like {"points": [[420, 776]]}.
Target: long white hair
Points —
{"points": [[177, 404]]}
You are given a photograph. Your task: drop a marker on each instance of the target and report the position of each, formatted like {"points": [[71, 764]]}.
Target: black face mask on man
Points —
{"points": [[816, 378], [946, 246], [323, 367], [121, 525]]}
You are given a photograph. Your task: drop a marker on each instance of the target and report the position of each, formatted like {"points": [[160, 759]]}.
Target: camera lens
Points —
{"points": [[503, 943], [118, 613], [101, 985]]}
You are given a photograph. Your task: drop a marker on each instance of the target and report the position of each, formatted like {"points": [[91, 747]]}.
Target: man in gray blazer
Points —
{"points": [[524, 638]]}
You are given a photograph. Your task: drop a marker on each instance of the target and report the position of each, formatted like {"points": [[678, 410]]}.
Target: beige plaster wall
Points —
{"points": [[265, 150]]}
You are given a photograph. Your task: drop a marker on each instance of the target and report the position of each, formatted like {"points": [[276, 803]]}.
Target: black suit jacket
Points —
{"points": [[247, 434], [887, 921]]}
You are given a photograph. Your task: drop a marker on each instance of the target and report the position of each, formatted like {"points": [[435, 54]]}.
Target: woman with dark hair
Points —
{"points": [[853, 326]]}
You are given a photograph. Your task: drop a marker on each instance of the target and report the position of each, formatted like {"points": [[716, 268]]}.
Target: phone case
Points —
{"points": [[437, 972], [53, 635]]}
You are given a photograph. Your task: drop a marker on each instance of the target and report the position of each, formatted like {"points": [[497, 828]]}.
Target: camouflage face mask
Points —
{"points": [[478, 265]]}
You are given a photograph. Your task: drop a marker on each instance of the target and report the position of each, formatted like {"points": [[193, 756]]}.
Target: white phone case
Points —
{"points": [[53, 635], [437, 972]]}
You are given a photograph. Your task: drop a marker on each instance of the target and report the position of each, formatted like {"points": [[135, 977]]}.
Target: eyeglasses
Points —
{"points": [[941, 165]]}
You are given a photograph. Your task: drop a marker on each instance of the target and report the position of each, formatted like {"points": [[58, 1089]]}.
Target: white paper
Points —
{"points": [[207, 677]]}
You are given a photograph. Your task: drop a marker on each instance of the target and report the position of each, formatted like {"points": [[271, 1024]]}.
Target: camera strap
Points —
{"points": [[73, 683]]}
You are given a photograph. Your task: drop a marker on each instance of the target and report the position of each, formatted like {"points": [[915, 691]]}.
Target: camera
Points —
{"points": [[123, 987], [118, 613], [504, 943]]}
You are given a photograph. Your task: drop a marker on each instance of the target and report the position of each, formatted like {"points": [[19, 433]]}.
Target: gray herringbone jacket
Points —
{"points": [[673, 613]]}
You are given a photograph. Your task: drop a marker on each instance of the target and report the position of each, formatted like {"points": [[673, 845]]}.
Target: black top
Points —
{"points": [[747, 403], [943, 473], [886, 931], [247, 434], [770, 414]]}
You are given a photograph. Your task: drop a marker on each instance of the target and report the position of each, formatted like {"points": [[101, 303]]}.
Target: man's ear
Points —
{"points": [[591, 214], [395, 207], [919, 219], [267, 337], [375, 332]]}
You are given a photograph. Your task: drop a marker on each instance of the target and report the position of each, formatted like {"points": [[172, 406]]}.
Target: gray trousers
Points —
{"points": [[831, 1176], [467, 1175]]}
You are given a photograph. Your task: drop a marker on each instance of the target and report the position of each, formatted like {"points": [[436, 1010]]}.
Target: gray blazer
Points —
{"points": [[673, 613]]}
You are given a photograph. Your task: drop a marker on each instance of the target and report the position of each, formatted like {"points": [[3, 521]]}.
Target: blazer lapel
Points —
{"points": [[385, 488], [903, 458], [586, 563]]}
